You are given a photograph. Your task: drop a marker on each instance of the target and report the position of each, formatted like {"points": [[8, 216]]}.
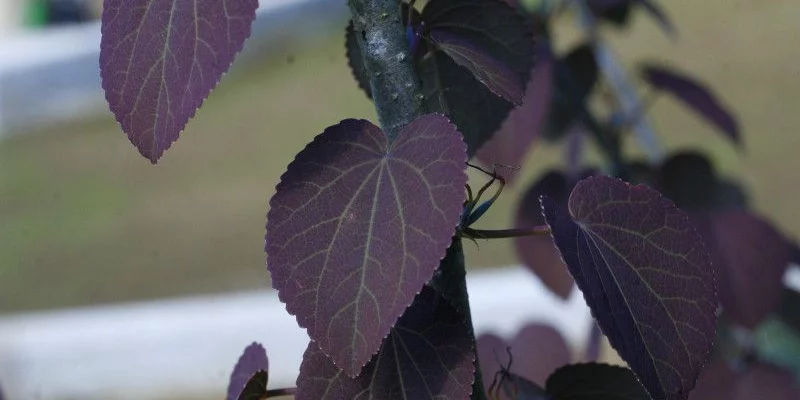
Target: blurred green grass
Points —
{"points": [[85, 219]]}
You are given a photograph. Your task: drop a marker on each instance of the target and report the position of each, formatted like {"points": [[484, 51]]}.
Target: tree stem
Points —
{"points": [[398, 100], [382, 38]]}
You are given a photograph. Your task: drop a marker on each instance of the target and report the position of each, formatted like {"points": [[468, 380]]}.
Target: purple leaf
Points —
{"points": [[754, 256], [159, 59], [249, 377], [645, 275], [513, 140], [696, 96], [538, 252], [537, 351], [359, 224], [497, 77], [594, 381], [659, 15], [516, 387], [759, 381], [428, 355]]}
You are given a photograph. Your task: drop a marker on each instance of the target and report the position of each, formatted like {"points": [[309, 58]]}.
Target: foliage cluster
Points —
{"points": [[363, 237]]}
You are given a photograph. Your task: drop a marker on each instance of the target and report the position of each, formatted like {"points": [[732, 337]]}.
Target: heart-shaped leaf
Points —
{"points": [[497, 77], [696, 96], [427, 356], [645, 275], [594, 381], [359, 224], [249, 378], [159, 59], [754, 257], [511, 143]]}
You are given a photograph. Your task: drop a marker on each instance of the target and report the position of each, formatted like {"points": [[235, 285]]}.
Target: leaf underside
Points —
{"points": [[646, 276], [427, 356], [159, 59], [358, 225]]}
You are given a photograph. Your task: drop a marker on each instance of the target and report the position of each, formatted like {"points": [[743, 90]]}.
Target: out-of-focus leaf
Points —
{"points": [[519, 131], [515, 387], [716, 382], [645, 275], [660, 16], [754, 257], [497, 77], [695, 95], [763, 381], [249, 378], [537, 350], [428, 355], [593, 381], [617, 12], [538, 252], [359, 224], [777, 343], [574, 78], [160, 59], [688, 178]]}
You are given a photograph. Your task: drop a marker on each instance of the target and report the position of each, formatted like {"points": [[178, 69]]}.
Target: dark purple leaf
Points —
{"points": [[159, 59], [645, 275], [696, 96], [498, 30], [358, 225], [754, 257], [689, 179], [574, 78], [659, 15], [497, 77], [249, 378], [593, 381], [538, 252], [511, 143], [789, 308], [428, 355]]}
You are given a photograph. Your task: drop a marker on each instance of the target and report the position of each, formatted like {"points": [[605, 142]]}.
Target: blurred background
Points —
{"points": [[85, 220]]}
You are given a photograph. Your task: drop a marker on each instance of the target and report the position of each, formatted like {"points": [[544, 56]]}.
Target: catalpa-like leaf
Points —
{"points": [[594, 381], [754, 257], [498, 77], [646, 277], [427, 356], [249, 378], [511, 143], [696, 96], [159, 59], [359, 224]]}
